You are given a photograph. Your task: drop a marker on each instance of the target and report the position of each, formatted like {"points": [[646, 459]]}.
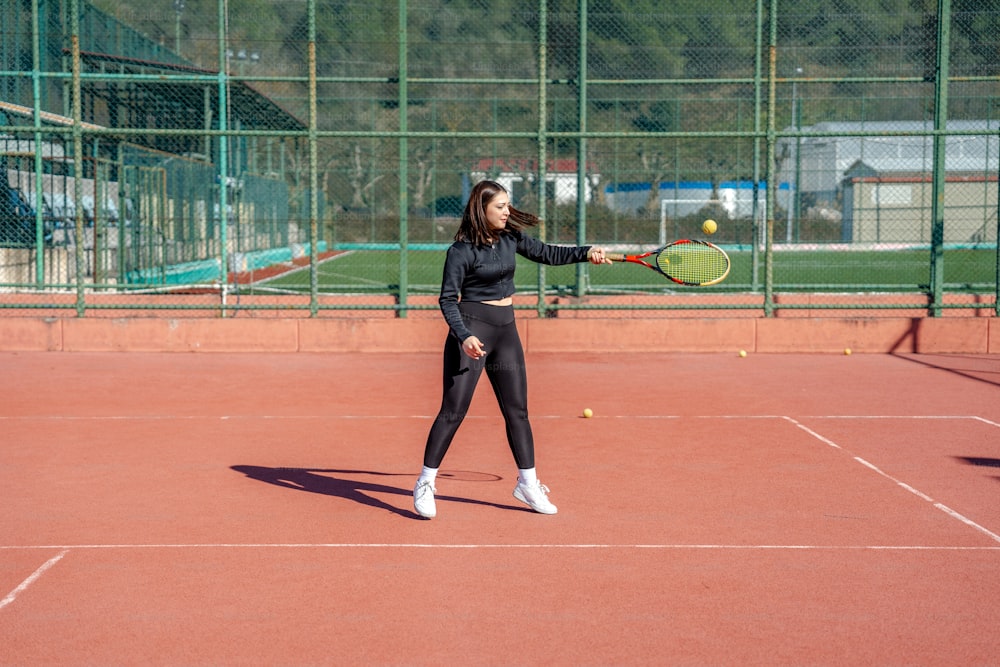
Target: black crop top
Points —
{"points": [[486, 273]]}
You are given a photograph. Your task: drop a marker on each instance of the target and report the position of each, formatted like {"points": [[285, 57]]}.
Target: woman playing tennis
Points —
{"points": [[476, 301]]}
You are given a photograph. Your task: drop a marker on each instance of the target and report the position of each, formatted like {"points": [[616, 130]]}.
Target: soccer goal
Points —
{"points": [[674, 208]]}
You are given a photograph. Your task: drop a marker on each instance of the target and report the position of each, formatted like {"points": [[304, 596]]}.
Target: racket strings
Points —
{"points": [[693, 264]]}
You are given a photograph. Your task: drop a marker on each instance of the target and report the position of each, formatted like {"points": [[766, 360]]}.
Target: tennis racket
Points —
{"points": [[685, 262]]}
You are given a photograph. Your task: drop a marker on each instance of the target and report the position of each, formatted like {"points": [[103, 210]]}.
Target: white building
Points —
{"points": [[824, 160]]}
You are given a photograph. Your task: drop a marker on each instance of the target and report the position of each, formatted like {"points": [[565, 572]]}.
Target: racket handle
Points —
{"points": [[615, 256]]}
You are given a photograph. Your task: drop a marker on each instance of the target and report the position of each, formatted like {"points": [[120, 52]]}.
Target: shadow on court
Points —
{"points": [[981, 461], [982, 367], [327, 482]]}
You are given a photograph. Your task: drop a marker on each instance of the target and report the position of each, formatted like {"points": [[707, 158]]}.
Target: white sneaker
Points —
{"points": [[535, 497], [423, 499]]}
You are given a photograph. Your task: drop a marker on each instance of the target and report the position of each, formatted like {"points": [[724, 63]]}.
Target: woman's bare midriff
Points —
{"points": [[500, 302]]}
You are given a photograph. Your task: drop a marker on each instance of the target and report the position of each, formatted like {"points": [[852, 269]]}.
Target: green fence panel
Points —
{"points": [[291, 150]]}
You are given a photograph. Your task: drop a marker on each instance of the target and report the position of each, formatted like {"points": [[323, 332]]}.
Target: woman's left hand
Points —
{"points": [[596, 256]]}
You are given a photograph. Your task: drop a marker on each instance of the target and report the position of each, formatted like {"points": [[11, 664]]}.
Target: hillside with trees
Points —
{"points": [[687, 67]]}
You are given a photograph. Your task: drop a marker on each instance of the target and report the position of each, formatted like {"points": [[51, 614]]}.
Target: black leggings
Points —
{"points": [[504, 364]]}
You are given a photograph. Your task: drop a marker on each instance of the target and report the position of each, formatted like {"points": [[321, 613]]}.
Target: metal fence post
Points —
{"points": [[223, 172], [74, 8], [404, 149], [313, 165], [771, 172], [755, 215], [36, 59], [542, 139], [581, 151], [939, 166]]}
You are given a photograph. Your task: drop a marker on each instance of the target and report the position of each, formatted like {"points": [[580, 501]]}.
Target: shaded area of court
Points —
{"points": [[256, 509]]}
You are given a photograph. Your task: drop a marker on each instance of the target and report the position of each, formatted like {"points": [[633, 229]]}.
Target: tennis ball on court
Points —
{"points": [[588, 413], [743, 353], [709, 226], [847, 350]]}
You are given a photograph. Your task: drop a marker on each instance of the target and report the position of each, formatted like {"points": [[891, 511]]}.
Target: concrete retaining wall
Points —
{"points": [[969, 335]]}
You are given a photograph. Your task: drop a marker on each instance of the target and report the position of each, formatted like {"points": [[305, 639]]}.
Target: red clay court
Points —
{"points": [[237, 509]]}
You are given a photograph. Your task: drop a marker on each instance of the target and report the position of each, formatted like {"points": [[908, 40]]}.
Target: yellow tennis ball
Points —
{"points": [[743, 353], [847, 350], [709, 226], [588, 413]]}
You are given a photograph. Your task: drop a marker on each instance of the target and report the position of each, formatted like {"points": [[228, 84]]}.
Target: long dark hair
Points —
{"points": [[475, 229]]}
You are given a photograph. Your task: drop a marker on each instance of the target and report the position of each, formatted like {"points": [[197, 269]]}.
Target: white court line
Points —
{"points": [[792, 420], [923, 496], [32, 578], [421, 545]]}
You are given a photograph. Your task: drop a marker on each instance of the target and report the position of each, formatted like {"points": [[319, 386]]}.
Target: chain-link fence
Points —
{"points": [[314, 157]]}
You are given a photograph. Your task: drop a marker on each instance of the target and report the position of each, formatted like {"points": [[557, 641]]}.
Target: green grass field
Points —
{"points": [[378, 271]]}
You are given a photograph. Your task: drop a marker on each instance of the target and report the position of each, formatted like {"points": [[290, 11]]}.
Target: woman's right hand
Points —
{"points": [[473, 347]]}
